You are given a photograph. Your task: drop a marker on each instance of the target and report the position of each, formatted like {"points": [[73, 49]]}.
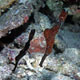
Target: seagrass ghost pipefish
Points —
{"points": [[50, 34], [23, 51]]}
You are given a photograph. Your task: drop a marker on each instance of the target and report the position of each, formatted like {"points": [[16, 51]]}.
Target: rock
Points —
{"points": [[72, 55], [60, 65], [22, 39], [14, 18], [73, 10], [5, 4], [65, 66], [56, 7], [68, 69], [10, 54], [20, 73], [46, 75], [33, 78], [77, 76], [67, 39], [38, 43], [52, 64], [3, 59], [13, 77], [61, 77], [5, 67], [5, 71], [44, 22], [72, 28], [60, 43], [22, 1]]}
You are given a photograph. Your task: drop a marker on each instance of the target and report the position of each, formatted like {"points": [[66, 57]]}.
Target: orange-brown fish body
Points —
{"points": [[50, 36]]}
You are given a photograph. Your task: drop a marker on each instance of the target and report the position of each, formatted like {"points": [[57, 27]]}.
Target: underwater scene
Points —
{"points": [[39, 39]]}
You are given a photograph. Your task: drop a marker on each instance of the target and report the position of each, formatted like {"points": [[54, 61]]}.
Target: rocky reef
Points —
{"points": [[18, 18]]}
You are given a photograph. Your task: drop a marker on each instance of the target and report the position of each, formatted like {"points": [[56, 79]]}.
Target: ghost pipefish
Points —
{"points": [[23, 51], [50, 34]]}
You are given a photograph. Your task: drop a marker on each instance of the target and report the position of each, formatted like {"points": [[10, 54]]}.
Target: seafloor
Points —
{"points": [[18, 18]]}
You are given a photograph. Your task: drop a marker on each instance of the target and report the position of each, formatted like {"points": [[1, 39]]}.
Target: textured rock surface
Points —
{"points": [[56, 7], [63, 65], [5, 4], [68, 38], [14, 18], [61, 77]]}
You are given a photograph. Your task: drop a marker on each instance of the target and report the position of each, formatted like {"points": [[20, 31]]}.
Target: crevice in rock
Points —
{"points": [[1, 46], [16, 45], [46, 11], [70, 2], [57, 50], [16, 32], [69, 19]]}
